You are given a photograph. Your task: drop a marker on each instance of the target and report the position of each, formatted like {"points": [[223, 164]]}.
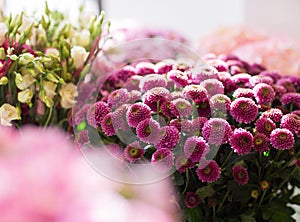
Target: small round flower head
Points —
{"points": [[182, 163], [293, 98], [144, 68], [195, 148], [274, 75], [179, 77], [255, 69], [107, 125], [264, 93], [163, 67], [218, 64], [291, 122], [240, 175], [254, 80], [167, 108], [243, 92], [175, 95], [274, 114], [155, 97], [133, 152], [118, 97], [81, 114], [225, 78], [133, 83], [81, 139], [195, 92], [241, 79], [279, 90], [261, 142], [265, 126], [125, 73], [119, 117], [196, 126], [220, 102], [287, 84], [244, 110], [264, 185], [204, 72], [282, 139], [181, 107], [192, 200], [241, 141], [182, 125], [213, 87], [148, 131], [170, 138], [135, 96], [208, 171], [96, 113], [203, 108], [162, 160], [136, 113], [151, 81], [216, 131]]}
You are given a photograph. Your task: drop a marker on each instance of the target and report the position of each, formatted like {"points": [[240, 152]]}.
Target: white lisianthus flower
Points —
{"points": [[39, 36], [25, 96], [52, 51], [83, 38], [68, 94], [49, 88], [79, 55], [23, 82], [3, 31], [7, 114]]}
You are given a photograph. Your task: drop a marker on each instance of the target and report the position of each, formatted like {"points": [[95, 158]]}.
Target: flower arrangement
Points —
{"points": [[227, 131], [41, 63]]}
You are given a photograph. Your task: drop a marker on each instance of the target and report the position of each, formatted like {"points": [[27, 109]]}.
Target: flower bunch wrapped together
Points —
{"points": [[40, 64], [228, 131]]}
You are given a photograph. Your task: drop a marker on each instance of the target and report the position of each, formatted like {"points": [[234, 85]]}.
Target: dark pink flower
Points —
{"points": [[162, 160], [274, 75], [213, 87], [96, 113], [133, 83], [282, 139], [133, 152], [264, 93], [241, 79], [240, 175], [107, 125], [293, 98], [136, 113], [151, 81], [261, 142], [125, 73], [155, 97], [195, 92], [144, 68], [244, 110], [181, 107], [208, 171], [196, 126], [274, 114], [149, 131], [203, 108], [195, 148], [179, 77], [118, 97], [291, 122], [119, 117], [279, 90], [163, 67], [182, 125], [287, 84], [241, 141], [167, 108], [254, 80], [218, 64], [135, 96], [204, 72], [182, 163], [170, 138], [192, 200], [265, 126], [243, 92], [216, 131], [220, 102]]}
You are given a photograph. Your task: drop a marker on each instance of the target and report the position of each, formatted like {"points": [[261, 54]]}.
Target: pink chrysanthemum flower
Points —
{"points": [[264, 93], [180, 78], [203, 108], [274, 75], [133, 83], [107, 125], [149, 131], [163, 67], [208, 171], [265, 126], [279, 90], [182, 125], [175, 95], [181, 107], [220, 102], [144, 68], [254, 80], [240, 175], [195, 148], [125, 72], [261, 142], [167, 108], [119, 117], [170, 138], [225, 78], [135, 96], [155, 97], [151, 81], [287, 84], [162, 160], [293, 98], [192, 200], [291, 122], [282, 139], [118, 97], [96, 113], [133, 152], [81, 139], [244, 110], [213, 87], [241, 141], [136, 113], [243, 92], [204, 72], [218, 64], [182, 163], [196, 126], [81, 114], [195, 92], [274, 114], [241, 79], [216, 131]]}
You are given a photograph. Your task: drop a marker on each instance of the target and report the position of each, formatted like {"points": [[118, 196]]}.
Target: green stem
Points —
{"points": [[262, 198], [227, 158], [186, 183], [214, 213], [223, 201], [48, 117]]}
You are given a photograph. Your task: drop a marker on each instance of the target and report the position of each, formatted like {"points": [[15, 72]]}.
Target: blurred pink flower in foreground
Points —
{"points": [[44, 179], [280, 54]]}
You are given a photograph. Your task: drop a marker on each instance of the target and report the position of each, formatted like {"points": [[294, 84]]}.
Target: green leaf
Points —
{"points": [[296, 199], [247, 218], [193, 215], [206, 191]]}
